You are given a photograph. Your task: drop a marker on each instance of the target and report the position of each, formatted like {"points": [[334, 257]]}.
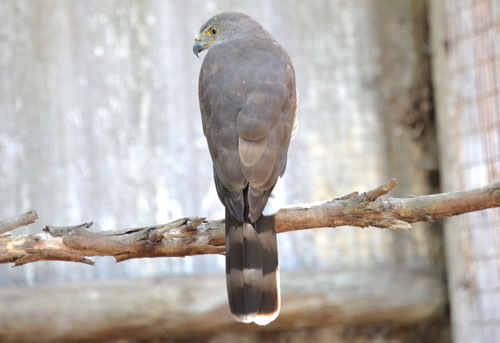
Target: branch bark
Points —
{"points": [[194, 235], [21, 220]]}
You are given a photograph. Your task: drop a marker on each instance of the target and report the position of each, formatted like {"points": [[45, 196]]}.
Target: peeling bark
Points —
{"points": [[194, 235]]}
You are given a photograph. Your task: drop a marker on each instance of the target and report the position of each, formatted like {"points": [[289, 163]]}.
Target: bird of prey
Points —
{"points": [[248, 104]]}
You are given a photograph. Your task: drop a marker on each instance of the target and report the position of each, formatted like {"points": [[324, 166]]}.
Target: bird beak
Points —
{"points": [[198, 46]]}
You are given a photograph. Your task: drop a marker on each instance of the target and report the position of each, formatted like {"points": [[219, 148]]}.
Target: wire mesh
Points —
{"points": [[474, 57]]}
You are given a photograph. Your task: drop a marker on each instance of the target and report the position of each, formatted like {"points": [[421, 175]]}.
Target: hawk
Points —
{"points": [[248, 104]]}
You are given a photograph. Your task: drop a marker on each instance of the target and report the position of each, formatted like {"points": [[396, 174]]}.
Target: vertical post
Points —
{"points": [[465, 63]]}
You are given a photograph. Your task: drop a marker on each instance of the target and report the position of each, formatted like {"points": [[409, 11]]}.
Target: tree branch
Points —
{"points": [[21, 220], [194, 235]]}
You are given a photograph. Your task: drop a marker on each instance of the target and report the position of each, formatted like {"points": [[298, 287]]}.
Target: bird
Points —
{"points": [[248, 103]]}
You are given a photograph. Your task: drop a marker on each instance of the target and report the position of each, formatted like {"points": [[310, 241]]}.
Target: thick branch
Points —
{"points": [[193, 236]]}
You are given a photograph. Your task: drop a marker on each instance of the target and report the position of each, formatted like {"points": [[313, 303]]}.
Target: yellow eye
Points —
{"points": [[213, 30]]}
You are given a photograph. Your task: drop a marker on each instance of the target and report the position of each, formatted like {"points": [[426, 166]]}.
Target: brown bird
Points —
{"points": [[248, 105]]}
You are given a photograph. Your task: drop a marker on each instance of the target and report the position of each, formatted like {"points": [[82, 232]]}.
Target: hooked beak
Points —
{"points": [[198, 46]]}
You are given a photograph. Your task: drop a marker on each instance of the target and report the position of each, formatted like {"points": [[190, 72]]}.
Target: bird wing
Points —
{"points": [[248, 104]]}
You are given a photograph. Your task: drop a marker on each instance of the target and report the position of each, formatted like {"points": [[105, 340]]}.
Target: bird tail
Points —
{"points": [[252, 274]]}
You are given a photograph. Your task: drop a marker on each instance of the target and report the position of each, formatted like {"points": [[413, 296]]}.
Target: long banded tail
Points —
{"points": [[252, 274]]}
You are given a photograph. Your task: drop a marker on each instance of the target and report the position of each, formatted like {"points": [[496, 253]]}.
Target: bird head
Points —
{"points": [[205, 39], [225, 26]]}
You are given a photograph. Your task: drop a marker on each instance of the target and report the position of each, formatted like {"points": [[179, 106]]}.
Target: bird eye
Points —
{"points": [[214, 30]]}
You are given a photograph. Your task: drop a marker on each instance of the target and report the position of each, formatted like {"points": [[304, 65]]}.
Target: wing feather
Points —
{"points": [[248, 105]]}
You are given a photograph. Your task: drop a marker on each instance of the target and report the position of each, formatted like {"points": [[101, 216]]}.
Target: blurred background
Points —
{"points": [[99, 121]]}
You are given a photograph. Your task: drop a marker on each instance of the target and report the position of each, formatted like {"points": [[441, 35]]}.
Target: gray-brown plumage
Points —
{"points": [[248, 106]]}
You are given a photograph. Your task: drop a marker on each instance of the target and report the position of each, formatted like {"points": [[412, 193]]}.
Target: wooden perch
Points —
{"points": [[193, 236], [194, 307]]}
